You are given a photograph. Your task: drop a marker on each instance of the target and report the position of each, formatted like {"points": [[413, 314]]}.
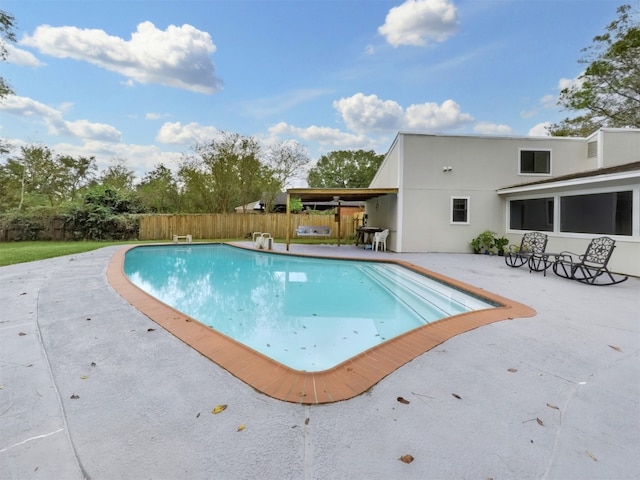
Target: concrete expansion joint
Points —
{"points": [[308, 447], [56, 390]]}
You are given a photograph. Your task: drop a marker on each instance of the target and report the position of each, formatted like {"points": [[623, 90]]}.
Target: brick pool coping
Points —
{"points": [[346, 380]]}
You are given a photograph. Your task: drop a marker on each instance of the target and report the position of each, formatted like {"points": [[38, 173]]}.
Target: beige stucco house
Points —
{"points": [[450, 188]]}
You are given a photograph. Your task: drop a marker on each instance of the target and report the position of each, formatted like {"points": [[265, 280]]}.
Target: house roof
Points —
{"points": [[590, 174], [346, 194]]}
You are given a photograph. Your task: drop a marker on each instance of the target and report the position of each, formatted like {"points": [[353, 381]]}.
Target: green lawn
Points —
{"points": [[20, 252]]}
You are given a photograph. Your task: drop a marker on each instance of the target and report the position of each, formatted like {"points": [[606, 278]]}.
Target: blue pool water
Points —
{"points": [[307, 313]]}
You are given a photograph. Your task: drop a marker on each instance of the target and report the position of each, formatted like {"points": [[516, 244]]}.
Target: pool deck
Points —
{"points": [[90, 387]]}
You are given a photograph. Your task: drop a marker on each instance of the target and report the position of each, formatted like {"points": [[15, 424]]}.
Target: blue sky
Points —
{"points": [[145, 80]]}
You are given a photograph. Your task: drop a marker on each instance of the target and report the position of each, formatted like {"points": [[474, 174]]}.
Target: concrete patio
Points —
{"points": [[91, 388]]}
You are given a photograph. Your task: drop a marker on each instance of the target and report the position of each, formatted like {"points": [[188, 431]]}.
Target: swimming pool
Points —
{"points": [[344, 381], [309, 314]]}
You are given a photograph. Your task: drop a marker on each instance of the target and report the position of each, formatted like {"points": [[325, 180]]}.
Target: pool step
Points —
{"points": [[425, 296]]}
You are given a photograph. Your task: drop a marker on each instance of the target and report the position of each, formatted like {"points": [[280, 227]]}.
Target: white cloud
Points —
{"points": [[178, 134], [486, 128], [416, 22], [549, 102], [540, 130], [431, 116], [331, 137], [140, 158], [17, 56], [55, 122], [95, 131], [370, 114], [570, 82], [156, 116], [178, 57]]}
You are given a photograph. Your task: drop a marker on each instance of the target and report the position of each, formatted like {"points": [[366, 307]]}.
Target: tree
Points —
{"points": [[118, 176], [7, 34], [607, 93], [223, 174], [345, 169], [288, 160], [158, 191], [39, 177], [7, 22]]}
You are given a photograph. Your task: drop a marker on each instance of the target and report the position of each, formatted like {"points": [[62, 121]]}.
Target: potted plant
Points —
{"points": [[484, 242], [476, 245], [500, 244]]}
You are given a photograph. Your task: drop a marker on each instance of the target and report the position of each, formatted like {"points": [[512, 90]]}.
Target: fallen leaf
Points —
{"points": [[457, 396], [402, 400], [241, 427], [306, 421], [87, 319], [593, 457], [1, 387], [22, 334], [512, 370], [617, 349], [302, 394], [93, 364], [74, 396], [539, 422], [84, 377], [198, 415], [218, 409], [552, 406], [406, 458], [151, 329]]}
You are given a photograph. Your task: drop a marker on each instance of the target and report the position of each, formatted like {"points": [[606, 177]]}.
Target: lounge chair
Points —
{"points": [[530, 251], [591, 267]]}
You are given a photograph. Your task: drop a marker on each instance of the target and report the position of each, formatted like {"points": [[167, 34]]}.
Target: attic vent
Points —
{"points": [[592, 149]]}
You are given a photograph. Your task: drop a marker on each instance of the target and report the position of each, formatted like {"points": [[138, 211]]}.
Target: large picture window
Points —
{"points": [[531, 214], [460, 210], [535, 162], [599, 213]]}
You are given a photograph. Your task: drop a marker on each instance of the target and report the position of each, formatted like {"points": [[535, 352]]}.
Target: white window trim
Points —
{"points": [[586, 190], [525, 174], [459, 197]]}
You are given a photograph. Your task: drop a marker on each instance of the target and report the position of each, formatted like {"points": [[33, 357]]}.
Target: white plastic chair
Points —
{"points": [[380, 239]]}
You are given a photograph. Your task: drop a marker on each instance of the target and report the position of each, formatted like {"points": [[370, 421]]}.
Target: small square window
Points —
{"points": [[460, 210], [535, 162]]}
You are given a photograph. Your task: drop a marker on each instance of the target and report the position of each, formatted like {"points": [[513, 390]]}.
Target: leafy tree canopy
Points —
{"points": [[158, 190], [7, 22], [345, 169], [36, 176], [225, 173], [607, 93]]}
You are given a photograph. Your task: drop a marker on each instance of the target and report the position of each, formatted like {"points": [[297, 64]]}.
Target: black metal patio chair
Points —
{"points": [[532, 245], [590, 268]]}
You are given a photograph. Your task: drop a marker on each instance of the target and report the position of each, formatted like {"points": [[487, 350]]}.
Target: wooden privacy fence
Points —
{"points": [[235, 225]]}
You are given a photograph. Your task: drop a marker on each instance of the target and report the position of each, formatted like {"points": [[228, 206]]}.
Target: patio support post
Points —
{"points": [[288, 222], [337, 199]]}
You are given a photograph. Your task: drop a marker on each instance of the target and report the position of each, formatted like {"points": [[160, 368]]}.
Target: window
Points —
{"points": [[535, 162], [598, 213], [460, 210], [533, 214]]}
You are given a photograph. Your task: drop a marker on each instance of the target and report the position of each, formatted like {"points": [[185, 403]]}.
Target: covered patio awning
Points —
{"points": [[331, 194]]}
